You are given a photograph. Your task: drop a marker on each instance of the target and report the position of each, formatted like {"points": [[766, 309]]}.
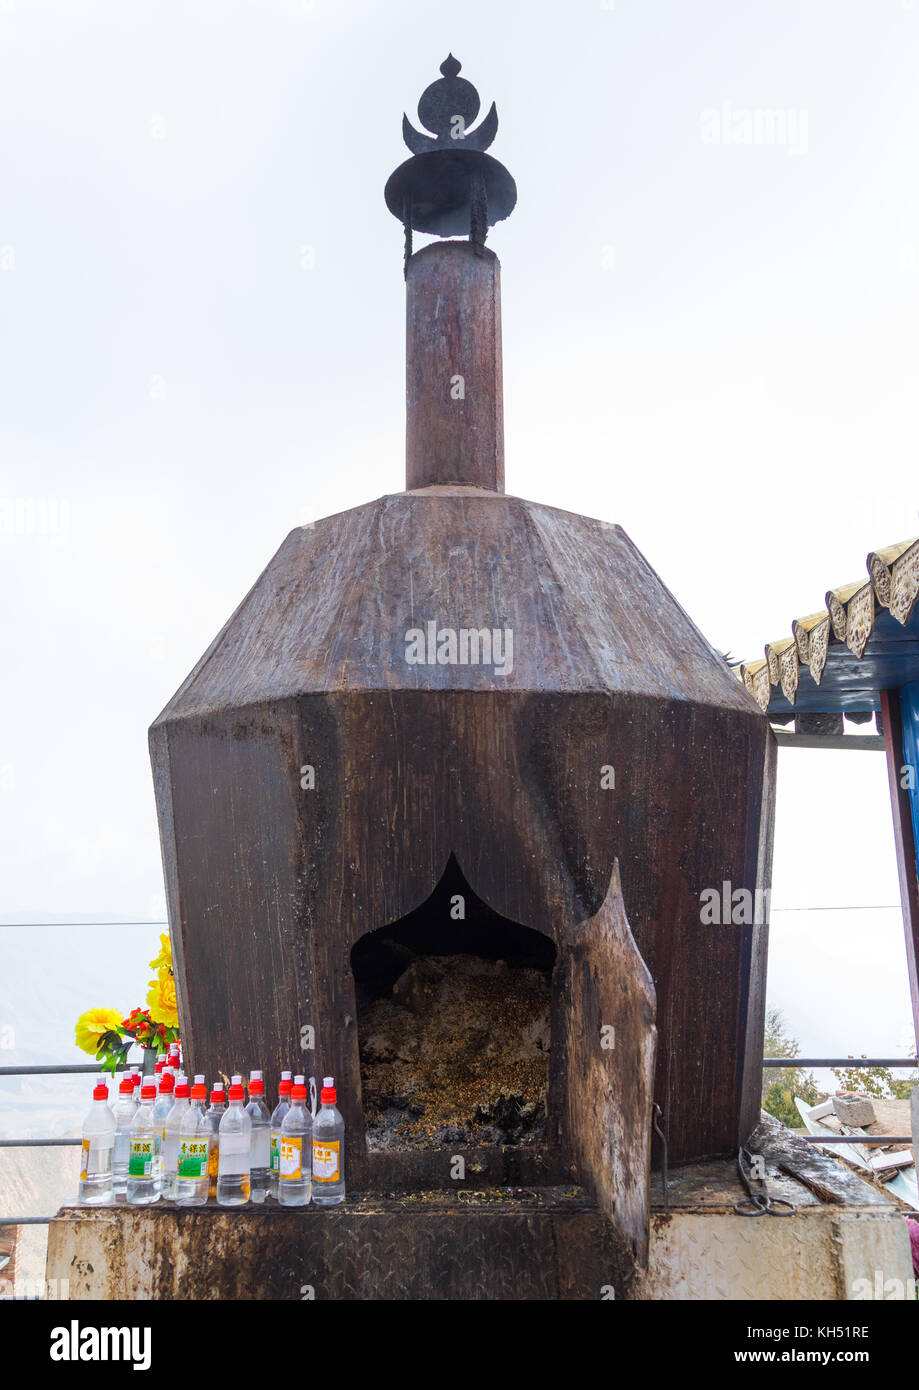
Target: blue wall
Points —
{"points": [[909, 708]]}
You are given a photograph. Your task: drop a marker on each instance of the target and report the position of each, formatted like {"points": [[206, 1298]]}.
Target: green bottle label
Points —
{"points": [[193, 1158], [140, 1159]]}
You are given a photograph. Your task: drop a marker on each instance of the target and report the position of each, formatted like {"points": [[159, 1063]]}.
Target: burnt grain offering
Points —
{"points": [[457, 1054]]}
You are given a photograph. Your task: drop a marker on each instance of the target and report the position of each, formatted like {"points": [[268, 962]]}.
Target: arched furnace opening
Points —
{"points": [[454, 1032]]}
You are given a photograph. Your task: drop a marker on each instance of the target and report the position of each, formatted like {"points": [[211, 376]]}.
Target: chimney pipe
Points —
{"points": [[454, 396]]}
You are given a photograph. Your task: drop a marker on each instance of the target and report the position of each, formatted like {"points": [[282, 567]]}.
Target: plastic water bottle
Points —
{"points": [[96, 1184], [260, 1156], [328, 1149], [123, 1112], [235, 1152], [165, 1100], [142, 1189], [277, 1120], [171, 1131], [194, 1146], [212, 1118], [294, 1178]]}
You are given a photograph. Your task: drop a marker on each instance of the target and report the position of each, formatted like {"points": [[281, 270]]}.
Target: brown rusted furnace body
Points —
{"points": [[333, 769]]}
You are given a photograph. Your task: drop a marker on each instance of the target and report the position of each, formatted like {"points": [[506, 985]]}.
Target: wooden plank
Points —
{"points": [[610, 1050], [819, 1172]]}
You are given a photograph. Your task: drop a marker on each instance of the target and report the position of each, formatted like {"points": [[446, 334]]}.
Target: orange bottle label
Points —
{"points": [[325, 1161]]}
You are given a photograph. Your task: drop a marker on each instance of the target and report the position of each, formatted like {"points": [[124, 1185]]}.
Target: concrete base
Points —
{"points": [[547, 1244], [822, 1254]]}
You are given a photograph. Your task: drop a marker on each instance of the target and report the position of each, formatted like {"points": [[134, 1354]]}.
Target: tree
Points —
{"points": [[878, 1082], [782, 1084]]}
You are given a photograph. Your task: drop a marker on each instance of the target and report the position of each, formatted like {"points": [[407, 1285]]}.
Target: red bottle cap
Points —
{"points": [[285, 1088], [127, 1087], [217, 1096], [183, 1091], [148, 1093], [236, 1093], [328, 1095], [100, 1092], [167, 1083], [256, 1087], [199, 1093], [297, 1092]]}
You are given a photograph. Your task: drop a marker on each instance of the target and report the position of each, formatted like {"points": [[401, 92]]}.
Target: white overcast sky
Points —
{"points": [[712, 344]]}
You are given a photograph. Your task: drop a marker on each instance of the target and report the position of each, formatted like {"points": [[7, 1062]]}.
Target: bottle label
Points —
{"points": [[325, 1161], [275, 1151], [234, 1157], [292, 1156], [260, 1148], [140, 1162], [193, 1158], [96, 1156]]}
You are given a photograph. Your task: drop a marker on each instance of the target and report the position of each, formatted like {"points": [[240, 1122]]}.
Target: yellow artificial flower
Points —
{"points": [[161, 1000], [164, 959], [91, 1026]]}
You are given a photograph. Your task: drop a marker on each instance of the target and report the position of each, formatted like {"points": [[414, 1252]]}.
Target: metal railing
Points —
{"points": [[767, 1062], [47, 1143], [841, 1062]]}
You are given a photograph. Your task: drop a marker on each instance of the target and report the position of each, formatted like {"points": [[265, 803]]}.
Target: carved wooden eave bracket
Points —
{"points": [[849, 618]]}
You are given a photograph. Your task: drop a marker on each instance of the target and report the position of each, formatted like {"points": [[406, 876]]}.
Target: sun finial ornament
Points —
{"points": [[450, 186]]}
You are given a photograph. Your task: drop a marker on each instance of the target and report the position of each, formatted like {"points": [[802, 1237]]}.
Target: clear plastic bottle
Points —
{"points": [[277, 1119], [165, 1100], [171, 1131], [235, 1152], [96, 1184], [294, 1175], [328, 1149], [142, 1189], [212, 1118], [260, 1157], [123, 1111], [194, 1146]]}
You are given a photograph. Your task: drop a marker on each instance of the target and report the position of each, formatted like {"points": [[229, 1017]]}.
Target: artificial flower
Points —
{"points": [[164, 959], [161, 1000], [93, 1025]]}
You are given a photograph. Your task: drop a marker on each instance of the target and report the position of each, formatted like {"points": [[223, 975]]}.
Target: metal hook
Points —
{"points": [[761, 1202], [659, 1115]]}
